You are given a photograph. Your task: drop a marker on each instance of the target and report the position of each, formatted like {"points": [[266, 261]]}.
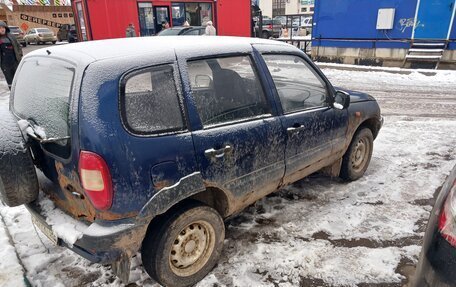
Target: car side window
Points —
{"points": [[297, 83], [226, 90], [150, 101], [192, 32]]}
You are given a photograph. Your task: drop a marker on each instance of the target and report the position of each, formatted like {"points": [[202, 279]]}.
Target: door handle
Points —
{"points": [[295, 128], [218, 153]]}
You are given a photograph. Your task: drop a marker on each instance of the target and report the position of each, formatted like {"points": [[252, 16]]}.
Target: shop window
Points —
{"points": [[146, 19], [196, 14], [178, 14]]}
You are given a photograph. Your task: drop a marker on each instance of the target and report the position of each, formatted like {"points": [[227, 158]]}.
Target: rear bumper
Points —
{"points": [[103, 242], [47, 39]]}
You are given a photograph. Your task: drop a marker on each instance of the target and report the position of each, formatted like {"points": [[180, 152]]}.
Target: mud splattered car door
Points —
{"points": [[308, 117], [240, 144]]}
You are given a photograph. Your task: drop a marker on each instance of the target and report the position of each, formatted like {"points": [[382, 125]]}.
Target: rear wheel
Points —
{"points": [[358, 156], [24, 44], [53, 42], [184, 246], [265, 35]]}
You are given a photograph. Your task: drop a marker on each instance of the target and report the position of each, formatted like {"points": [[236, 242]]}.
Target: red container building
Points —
{"points": [[105, 19]]}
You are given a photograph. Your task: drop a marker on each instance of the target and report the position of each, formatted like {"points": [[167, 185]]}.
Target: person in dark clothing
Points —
{"points": [[10, 53]]}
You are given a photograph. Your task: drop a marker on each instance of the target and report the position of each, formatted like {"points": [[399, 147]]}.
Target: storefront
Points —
{"points": [[103, 19]]}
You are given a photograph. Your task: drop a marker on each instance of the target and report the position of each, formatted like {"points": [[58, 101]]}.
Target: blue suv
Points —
{"points": [[147, 144]]}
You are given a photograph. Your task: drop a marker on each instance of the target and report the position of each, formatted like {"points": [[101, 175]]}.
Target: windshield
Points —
{"points": [[170, 32], [42, 95], [43, 30]]}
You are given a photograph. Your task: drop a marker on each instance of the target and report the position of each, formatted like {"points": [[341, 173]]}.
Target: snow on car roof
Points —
{"points": [[123, 47]]}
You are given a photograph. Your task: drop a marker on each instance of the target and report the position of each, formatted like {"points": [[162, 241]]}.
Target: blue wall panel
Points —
{"points": [[357, 19]]}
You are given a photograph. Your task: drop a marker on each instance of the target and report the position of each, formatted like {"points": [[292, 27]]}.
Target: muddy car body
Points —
{"points": [[151, 142]]}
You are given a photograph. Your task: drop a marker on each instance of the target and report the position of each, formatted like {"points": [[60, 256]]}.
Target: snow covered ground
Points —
{"points": [[319, 231]]}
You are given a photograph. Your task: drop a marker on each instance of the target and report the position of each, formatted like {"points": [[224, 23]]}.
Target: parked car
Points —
{"points": [[282, 19], [271, 28], [147, 144], [437, 263], [183, 31], [19, 34], [68, 33], [40, 36]]}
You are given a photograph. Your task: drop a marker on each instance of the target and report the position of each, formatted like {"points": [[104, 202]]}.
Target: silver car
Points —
{"points": [[19, 34], [40, 36]]}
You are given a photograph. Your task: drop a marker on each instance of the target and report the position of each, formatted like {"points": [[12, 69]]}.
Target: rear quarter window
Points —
{"points": [[150, 101]]}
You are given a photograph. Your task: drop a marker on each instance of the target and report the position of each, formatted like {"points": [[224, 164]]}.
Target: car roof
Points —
{"points": [[138, 47]]}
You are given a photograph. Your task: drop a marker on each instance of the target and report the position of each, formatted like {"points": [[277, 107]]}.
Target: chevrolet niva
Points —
{"points": [[148, 144]]}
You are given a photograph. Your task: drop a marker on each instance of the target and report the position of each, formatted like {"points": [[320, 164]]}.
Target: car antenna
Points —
{"points": [[49, 52]]}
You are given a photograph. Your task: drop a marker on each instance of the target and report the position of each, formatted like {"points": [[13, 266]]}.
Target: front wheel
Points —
{"points": [[358, 156], [184, 247]]}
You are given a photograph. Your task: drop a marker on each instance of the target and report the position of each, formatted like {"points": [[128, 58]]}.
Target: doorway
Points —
{"points": [[161, 14], [434, 19]]}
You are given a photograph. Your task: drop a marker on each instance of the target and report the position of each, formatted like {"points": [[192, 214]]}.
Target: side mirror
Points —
{"points": [[341, 100]]}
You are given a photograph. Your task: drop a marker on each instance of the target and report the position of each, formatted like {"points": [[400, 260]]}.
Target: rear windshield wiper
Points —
{"points": [[37, 133]]}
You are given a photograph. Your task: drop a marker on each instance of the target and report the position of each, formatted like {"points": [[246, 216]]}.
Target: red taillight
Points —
{"points": [[447, 219], [96, 179], [270, 26]]}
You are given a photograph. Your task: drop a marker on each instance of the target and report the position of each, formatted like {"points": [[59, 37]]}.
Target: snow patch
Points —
{"points": [[11, 271], [63, 225]]}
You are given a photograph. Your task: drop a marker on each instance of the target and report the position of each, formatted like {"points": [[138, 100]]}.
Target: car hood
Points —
{"points": [[356, 96]]}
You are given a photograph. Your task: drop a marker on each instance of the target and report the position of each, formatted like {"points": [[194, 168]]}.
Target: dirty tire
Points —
{"points": [[18, 180], [184, 246], [358, 156]]}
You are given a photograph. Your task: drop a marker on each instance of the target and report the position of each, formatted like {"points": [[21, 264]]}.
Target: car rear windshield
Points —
{"points": [[43, 30], [14, 29], [42, 95]]}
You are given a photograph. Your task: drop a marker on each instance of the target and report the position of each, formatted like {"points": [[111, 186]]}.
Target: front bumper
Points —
{"points": [[103, 242]]}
